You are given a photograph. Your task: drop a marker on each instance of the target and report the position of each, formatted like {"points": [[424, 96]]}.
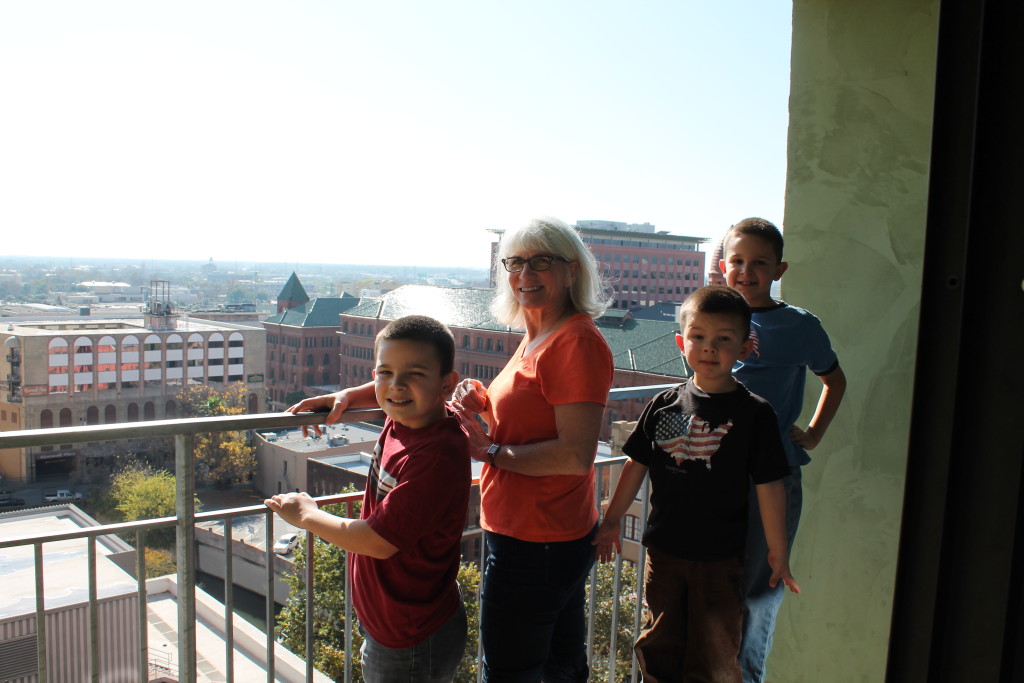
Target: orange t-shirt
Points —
{"points": [[573, 365]]}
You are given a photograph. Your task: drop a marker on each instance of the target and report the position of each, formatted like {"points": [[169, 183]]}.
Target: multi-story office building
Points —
{"points": [[641, 265], [70, 371]]}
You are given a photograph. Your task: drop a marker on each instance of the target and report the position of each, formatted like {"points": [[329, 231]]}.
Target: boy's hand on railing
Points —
{"points": [[607, 538], [293, 507], [332, 404]]}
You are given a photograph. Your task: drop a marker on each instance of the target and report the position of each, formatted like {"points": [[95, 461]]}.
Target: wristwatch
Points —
{"points": [[491, 450]]}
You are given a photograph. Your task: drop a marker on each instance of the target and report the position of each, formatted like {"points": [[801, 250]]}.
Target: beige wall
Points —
{"points": [[859, 140]]}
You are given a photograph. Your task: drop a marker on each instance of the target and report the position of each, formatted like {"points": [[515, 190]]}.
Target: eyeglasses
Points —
{"points": [[514, 264]]}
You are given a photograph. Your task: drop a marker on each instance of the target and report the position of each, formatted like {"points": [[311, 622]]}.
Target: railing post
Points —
{"points": [[229, 602], [186, 531], [268, 539], [94, 614], [143, 607], [41, 671], [310, 574]]}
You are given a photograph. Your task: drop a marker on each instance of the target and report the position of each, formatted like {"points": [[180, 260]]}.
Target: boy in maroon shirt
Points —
{"points": [[406, 543]]}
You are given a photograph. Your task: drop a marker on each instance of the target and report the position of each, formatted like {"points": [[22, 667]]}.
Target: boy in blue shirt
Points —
{"points": [[702, 443], [787, 341]]}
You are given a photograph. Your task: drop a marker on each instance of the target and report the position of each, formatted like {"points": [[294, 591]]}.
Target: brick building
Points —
{"points": [[302, 343]]}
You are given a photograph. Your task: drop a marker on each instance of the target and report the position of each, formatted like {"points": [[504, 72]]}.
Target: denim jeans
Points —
{"points": [[761, 602], [533, 610], [434, 659]]}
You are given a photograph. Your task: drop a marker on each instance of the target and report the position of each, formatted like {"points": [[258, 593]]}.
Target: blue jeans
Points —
{"points": [[433, 659], [533, 610], [761, 602]]}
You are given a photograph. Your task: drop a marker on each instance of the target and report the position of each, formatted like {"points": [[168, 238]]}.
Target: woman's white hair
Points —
{"points": [[588, 293]]}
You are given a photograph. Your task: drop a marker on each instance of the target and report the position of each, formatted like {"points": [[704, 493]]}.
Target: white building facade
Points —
{"points": [[83, 371]]}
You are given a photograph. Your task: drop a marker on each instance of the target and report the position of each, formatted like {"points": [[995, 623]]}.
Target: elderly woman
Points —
{"points": [[543, 413]]}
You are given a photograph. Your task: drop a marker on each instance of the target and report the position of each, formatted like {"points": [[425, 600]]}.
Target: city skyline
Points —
{"points": [[394, 135]]}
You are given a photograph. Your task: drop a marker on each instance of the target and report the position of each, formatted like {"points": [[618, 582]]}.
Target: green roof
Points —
{"points": [[644, 346], [320, 312], [293, 290]]}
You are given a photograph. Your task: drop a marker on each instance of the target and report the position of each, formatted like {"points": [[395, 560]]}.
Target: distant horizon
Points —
{"points": [[242, 265]]}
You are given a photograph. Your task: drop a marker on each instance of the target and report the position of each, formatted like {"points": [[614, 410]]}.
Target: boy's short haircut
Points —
{"points": [[717, 300], [758, 227], [423, 329]]}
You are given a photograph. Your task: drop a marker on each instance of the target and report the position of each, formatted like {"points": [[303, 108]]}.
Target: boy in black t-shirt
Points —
{"points": [[702, 443]]}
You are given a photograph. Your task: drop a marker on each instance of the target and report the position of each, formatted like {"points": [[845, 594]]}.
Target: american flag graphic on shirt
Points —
{"points": [[688, 437], [380, 480], [753, 338]]}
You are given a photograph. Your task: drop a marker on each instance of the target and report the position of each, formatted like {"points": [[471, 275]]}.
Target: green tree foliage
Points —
{"points": [[603, 621], [469, 580], [142, 493], [222, 458], [159, 563]]}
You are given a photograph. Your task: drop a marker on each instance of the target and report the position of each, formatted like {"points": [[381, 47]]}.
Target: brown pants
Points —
{"points": [[692, 623]]}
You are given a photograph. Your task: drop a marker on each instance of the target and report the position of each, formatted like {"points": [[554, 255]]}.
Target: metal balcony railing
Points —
{"points": [[184, 523]]}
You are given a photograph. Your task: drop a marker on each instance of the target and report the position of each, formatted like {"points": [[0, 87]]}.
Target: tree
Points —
{"points": [[143, 493], [625, 636], [222, 458]]}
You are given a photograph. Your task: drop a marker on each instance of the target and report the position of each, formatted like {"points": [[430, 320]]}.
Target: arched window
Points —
{"points": [[236, 351], [149, 411], [58, 365], [84, 365], [92, 415], [327, 359], [254, 403], [130, 362], [110, 414], [152, 362], [106, 363], [309, 360], [133, 412], [171, 410]]}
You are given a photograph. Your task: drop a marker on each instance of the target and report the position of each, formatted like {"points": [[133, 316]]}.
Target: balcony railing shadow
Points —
{"points": [[184, 521]]}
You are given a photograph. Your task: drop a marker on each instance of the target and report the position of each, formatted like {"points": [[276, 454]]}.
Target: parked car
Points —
{"points": [[62, 495], [286, 543], [10, 502]]}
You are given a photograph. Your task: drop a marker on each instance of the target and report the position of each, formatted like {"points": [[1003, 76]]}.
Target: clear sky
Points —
{"points": [[396, 132]]}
